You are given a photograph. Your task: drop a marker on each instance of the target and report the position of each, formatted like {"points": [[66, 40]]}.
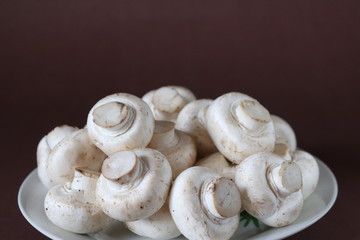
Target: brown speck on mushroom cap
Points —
{"points": [[270, 186], [135, 187], [201, 212], [73, 207], [239, 126], [120, 122]]}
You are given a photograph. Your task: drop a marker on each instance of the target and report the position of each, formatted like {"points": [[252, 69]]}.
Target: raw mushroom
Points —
{"points": [[239, 126], [285, 138], [76, 150], [178, 147], [270, 188], [160, 225], [73, 206], [120, 122], [220, 164], [309, 170], [205, 205], [166, 102], [191, 120], [134, 184], [45, 146]]}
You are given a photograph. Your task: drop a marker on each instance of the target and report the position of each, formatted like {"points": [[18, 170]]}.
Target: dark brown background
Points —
{"points": [[300, 59]]}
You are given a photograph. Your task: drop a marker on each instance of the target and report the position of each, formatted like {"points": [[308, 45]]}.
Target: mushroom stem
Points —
{"points": [[123, 167], [251, 115], [114, 116], [221, 198], [164, 135], [285, 178], [85, 180]]}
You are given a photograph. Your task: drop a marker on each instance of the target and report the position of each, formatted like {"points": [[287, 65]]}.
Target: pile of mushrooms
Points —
{"points": [[169, 164]]}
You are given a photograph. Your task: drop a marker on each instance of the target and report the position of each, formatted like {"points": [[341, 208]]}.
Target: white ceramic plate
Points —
{"points": [[32, 192]]}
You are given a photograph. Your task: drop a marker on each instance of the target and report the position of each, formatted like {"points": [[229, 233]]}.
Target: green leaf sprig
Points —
{"points": [[245, 216]]}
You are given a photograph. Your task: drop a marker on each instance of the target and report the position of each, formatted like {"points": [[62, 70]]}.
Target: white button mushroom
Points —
{"points": [[76, 150], [248, 159], [285, 138], [166, 102], [120, 122], [205, 205], [178, 147], [270, 188], [160, 225], [220, 164], [239, 126], [309, 170], [73, 206], [45, 146], [191, 120], [134, 184]]}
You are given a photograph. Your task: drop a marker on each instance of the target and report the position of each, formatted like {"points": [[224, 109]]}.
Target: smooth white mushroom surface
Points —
{"points": [[285, 138], [46, 145], [191, 120], [218, 162], [76, 150], [309, 170], [178, 147], [120, 122], [167, 164], [160, 225], [166, 102], [240, 126], [134, 184], [205, 205], [270, 188], [73, 206]]}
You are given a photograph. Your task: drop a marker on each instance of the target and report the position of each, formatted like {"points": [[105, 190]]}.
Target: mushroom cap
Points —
{"points": [[160, 225], [309, 170], [45, 146], [166, 102], [270, 188], [178, 147], [191, 121], [76, 150], [285, 137], [288, 211], [142, 192], [205, 205], [70, 210], [239, 126], [120, 121], [218, 162]]}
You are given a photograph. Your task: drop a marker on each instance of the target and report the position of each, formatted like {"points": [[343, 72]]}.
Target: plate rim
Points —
{"points": [[313, 219], [277, 234], [25, 214]]}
